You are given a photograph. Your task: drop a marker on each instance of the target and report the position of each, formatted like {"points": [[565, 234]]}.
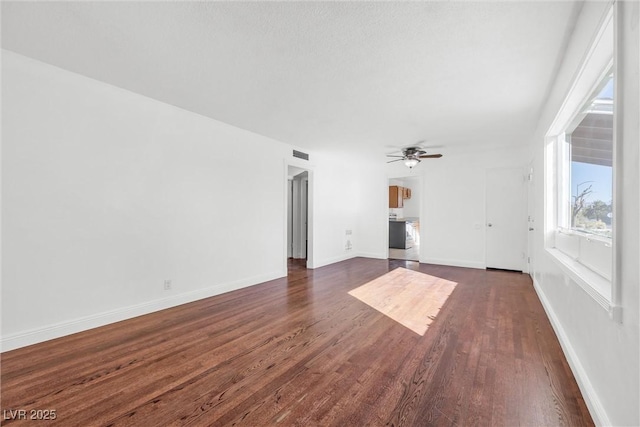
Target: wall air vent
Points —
{"points": [[300, 155]]}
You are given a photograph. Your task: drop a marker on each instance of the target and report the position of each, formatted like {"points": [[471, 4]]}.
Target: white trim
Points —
{"points": [[618, 225], [454, 263], [332, 260], [371, 255], [596, 409], [596, 254], [37, 335], [596, 237], [310, 168], [592, 283], [587, 74]]}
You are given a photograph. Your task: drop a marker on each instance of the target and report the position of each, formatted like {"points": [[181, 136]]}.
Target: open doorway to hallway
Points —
{"points": [[404, 218], [297, 217]]}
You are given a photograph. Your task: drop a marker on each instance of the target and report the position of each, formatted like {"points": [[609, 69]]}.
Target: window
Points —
{"points": [[589, 144], [580, 171], [585, 183]]}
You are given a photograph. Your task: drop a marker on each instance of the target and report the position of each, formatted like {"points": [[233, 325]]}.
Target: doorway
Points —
{"points": [[298, 223], [405, 206]]}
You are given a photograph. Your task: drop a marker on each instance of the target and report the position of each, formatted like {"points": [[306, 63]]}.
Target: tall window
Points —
{"points": [[580, 162]]}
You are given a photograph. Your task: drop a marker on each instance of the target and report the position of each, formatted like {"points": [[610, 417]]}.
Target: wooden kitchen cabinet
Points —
{"points": [[395, 196], [406, 193]]}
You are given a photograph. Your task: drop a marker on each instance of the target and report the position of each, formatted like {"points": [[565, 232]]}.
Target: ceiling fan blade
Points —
{"points": [[431, 156], [389, 155], [397, 160]]}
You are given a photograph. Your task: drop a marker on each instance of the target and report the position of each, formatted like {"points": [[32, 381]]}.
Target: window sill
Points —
{"points": [[596, 286], [595, 237]]}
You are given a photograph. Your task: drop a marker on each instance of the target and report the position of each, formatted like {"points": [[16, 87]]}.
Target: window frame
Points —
{"points": [[589, 260]]}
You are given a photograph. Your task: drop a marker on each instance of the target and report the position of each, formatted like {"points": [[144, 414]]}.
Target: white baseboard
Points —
{"points": [[589, 394], [371, 255], [333, 260], [454, 263], [37, 335]]}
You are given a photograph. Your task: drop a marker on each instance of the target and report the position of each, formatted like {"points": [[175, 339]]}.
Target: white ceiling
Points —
{"points": [[317, 74]]}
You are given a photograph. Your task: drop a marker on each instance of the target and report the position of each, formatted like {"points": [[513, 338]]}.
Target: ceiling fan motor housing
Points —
{"points": [[413, 151]]}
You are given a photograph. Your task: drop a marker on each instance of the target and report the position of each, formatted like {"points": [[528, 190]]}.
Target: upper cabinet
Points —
{"points": [[406, 193], [395, 196]]}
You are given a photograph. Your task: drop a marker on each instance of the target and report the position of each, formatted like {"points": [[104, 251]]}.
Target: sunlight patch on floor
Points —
{"points": [[409, 297]]}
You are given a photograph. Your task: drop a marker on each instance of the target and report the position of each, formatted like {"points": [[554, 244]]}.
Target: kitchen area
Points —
{"points": [[404, 218]]}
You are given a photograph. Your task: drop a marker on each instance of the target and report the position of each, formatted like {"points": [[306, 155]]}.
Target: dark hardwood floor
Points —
{"points": [[301, 351]]}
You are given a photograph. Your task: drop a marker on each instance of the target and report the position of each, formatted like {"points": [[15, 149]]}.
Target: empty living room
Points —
{"points": [[320, 213]]}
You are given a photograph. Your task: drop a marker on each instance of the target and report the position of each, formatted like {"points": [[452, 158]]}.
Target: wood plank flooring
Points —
{"points": [[301, 351], [409, 297]]}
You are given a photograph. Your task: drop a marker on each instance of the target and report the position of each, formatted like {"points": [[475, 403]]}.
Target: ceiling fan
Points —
{"points": [[413, 155]]}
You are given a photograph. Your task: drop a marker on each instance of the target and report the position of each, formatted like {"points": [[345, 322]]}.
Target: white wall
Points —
{"points": [[349, 193], [604, 354], [452, 227], [412, 206], [372, 198], [107, 193]]}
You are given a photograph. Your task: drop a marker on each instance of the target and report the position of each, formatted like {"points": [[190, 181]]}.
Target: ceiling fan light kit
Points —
{"points": [[410, 163], [411, 156]]}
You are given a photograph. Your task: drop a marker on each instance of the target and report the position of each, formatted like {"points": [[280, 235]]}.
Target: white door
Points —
{"points": [[506, 225], [531, 225]]}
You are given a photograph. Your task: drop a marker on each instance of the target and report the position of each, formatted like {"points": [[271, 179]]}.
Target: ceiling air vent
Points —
{"points": [[300, 155]]}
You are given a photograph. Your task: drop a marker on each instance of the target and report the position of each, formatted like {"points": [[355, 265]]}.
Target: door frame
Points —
{"points": [[309, 168], [520, 172], [298, 220], [531, 224], [420, 179]]}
